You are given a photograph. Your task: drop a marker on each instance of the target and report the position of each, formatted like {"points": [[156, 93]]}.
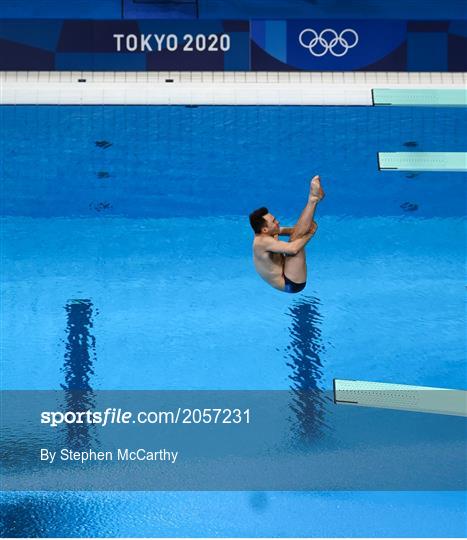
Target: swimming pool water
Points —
{"points": [[141, 213], [175, 312]]}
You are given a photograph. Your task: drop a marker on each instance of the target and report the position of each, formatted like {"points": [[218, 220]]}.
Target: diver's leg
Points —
{"points": [[305, 220], [295, 267]]}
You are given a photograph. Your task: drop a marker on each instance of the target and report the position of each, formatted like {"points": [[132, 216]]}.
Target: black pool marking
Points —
{"points": [[103, 174], [409, 207], [99, 207], [412, 175], [191, 106], [410, 144], [103, 144], [81, 80], [169, 80]]}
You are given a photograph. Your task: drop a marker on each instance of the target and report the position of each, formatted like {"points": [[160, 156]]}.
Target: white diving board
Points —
{"points": [[401, 396], [422, 161], [437, 97]]}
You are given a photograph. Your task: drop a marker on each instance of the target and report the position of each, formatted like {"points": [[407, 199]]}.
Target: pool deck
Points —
{"points": [[211, 88]]}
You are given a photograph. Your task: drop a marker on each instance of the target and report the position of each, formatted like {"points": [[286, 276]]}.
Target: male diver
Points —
{"points": [[283, 264]]}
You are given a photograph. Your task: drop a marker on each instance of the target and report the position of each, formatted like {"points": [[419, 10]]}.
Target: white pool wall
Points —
{"points": [[210, 88]]}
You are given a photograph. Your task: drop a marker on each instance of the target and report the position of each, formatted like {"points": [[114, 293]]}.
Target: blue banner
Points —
{"points": [[210, 45], [353, 45]]}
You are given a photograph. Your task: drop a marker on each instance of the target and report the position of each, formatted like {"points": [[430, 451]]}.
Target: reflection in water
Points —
{"points": [[37, 516], [80, 353], [23, 518], [303, 356]]}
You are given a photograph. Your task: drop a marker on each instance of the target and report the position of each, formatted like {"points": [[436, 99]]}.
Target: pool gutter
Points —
{"points": [[211, 88]]}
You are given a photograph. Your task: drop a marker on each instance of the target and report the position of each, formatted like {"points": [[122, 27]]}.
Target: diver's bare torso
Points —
{"points": [[270, 266]]}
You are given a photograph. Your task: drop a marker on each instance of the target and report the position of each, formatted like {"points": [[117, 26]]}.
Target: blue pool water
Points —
{"points": [[141, 212]]}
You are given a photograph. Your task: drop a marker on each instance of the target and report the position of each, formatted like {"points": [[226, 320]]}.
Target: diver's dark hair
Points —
{"points": [[257, 220]]}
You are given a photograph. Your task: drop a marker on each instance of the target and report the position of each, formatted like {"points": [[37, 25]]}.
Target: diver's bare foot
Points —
{"points": [[316, 191]]}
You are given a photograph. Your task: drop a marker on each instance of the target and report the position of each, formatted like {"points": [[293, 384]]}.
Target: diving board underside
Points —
{"points": [[438, 97], [422, 161], [401, 396]]}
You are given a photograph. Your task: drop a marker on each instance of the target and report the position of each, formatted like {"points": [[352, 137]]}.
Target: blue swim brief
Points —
{"points": [[292, 287]]}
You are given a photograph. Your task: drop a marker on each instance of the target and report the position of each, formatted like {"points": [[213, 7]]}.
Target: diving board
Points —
{"points": [[422, 161], [400, 396], [438, 97]]}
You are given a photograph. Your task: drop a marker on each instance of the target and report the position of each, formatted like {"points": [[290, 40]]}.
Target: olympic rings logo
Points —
{"points": [[328, 41]]}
